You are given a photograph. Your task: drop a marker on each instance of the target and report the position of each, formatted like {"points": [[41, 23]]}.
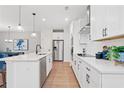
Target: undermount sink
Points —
{"points": [[86, 55], [42, 54]]}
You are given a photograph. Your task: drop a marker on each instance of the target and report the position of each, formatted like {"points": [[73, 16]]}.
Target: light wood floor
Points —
{"points": [[1, 79], [61, 76]]}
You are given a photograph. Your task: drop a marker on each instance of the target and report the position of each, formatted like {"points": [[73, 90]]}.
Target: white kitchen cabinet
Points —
{"points": [[25, 71], [49, 63], [97, 21], [82, 79], [98, 74], [86, 76], [106, 21], [113, 20], [23, 75], [89, 76], [113, 80], [74, 66], [93, 78]]}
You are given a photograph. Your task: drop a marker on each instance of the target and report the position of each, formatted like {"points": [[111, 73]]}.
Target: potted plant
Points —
{"points": [[116, 53], [112, 53]]}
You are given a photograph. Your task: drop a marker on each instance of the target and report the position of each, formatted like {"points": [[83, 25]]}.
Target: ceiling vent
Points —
{"points": [[58, 30]]}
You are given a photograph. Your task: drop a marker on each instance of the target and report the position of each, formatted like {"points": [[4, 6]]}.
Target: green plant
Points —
{"points": [[113, 52]]}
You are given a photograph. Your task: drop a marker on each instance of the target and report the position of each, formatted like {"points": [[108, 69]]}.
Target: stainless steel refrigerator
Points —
{"points": [[58, 50]]}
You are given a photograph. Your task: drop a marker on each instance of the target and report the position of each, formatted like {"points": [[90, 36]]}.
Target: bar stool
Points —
{"points": [[3, 72], [3, 69]]}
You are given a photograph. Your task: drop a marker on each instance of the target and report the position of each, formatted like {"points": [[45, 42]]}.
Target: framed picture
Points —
{"points": [[20, 45]]}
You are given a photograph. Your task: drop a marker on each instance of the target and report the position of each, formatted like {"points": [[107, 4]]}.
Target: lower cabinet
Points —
{"points": [[89, 77], [86, 75], [49, 63], [92, 77]]}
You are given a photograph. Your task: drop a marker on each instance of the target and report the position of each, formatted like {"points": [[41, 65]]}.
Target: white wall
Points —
{"points": [[47, 36], [46, 40], [19, 35], [76, 36]]}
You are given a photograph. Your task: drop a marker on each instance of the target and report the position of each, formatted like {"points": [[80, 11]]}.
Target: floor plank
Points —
{"points": [[61, 76]]}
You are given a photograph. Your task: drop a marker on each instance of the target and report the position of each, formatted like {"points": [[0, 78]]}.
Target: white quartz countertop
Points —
{"points": [[31, 57], [103, 66]]}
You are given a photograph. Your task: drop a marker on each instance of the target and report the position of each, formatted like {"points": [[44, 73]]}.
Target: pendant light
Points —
{"points": [[66, 10], [9, 40], [33, 34], [7, 36], [19, 25]]}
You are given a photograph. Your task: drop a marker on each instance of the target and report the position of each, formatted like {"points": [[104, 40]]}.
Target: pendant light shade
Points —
{"points": [[20, 29], [33, 34], [7, 37], [9, 40], [6, 40]]}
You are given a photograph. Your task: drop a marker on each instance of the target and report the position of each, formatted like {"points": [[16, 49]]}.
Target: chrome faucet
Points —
{"points": [[38, 45], [84, 52]]}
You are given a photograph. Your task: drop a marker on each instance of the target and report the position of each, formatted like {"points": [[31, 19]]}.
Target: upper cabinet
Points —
{"points": [[106, 21]]}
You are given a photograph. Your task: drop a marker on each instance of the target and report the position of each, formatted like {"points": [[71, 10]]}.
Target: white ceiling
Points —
{"points": [[55, 16]]}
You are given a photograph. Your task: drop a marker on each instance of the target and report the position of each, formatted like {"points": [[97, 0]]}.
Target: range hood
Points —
{"points": [[85, 29]]}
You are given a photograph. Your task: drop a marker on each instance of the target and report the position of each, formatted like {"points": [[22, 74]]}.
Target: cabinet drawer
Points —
{"points": [[93, 75]]}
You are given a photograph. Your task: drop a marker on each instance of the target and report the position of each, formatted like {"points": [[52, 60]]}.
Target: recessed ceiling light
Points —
{"points": [[43, 19], [66, 19], [66, 8]]}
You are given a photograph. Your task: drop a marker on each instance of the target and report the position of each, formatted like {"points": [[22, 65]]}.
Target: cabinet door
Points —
{"points": [[82, 75], [120, 31], [51, 61], [93, 78], [106, 21], [112, 24], [75, 66], [86, 75], [98, 16], [47, 65]]}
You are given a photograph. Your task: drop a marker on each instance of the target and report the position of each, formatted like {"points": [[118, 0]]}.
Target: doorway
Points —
{"points": [[58, 50]]}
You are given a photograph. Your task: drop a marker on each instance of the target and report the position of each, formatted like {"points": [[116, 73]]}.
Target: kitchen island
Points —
{"points": [[26, 71]]}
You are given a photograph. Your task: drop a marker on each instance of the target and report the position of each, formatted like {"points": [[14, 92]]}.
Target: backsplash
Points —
{"points": [[93, 47]]}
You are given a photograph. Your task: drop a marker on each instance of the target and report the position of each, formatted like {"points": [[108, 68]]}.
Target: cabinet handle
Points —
{"points": [[87, 78], [88, 69], [105, 31]]}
